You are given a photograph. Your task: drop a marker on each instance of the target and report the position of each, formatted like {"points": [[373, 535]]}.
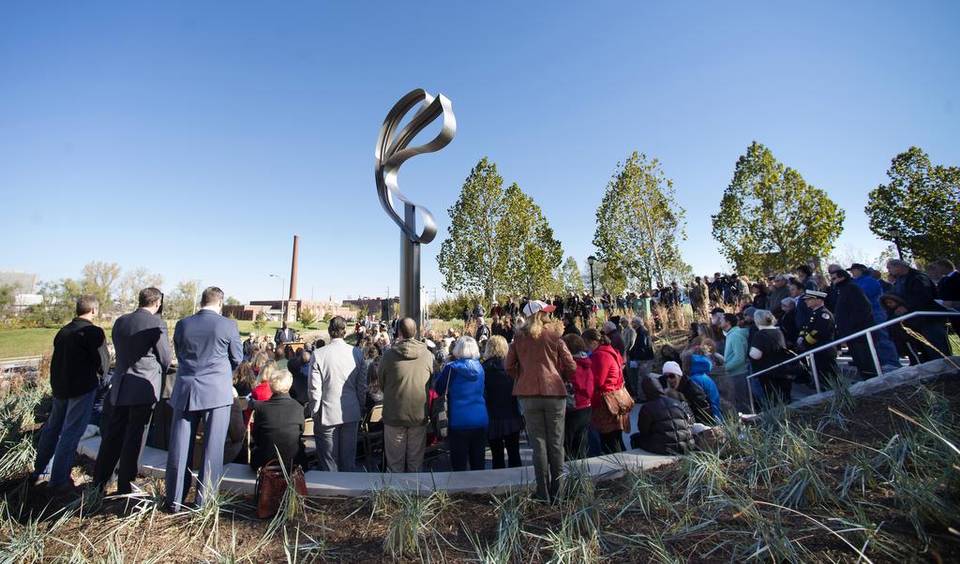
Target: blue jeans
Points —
{"points": [[61, 435]]}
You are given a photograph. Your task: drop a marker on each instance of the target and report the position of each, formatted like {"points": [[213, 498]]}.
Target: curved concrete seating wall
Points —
{"points": [[240, 479]]}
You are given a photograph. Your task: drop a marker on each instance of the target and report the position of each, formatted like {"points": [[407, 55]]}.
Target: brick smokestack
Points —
{"points": [[293, 268]]}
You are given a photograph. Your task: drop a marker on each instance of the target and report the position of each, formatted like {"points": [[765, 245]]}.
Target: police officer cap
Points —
{"points": [[814, 294]]}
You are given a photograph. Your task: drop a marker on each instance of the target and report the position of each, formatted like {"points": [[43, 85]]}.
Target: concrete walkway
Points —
{"points": [[240, 479]]}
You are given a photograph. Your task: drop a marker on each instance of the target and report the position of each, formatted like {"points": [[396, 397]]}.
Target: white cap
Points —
{"points": [[534, 306], [671, 367]]}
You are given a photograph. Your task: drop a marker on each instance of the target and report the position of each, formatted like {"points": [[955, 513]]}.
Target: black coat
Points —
{"points": [[696, 399], [852, 309], [80, 357], [277, 425], [642, 348], [663, 426], [498, 391], [236, 433], [918, 291]]}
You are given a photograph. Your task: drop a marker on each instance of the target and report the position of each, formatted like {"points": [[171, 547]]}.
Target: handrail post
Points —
{"points": [[813, 369], [873, 354], [753, 410]]}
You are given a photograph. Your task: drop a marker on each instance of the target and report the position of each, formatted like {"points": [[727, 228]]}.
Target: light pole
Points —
{"points": [[590, 260], [283, 284]]}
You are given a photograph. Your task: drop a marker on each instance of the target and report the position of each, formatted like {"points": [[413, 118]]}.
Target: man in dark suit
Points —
{"points": [[80, 357], [284, 335], [143, 355], [208, 351]]}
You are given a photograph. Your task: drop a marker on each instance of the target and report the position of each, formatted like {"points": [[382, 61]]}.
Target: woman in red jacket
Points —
{"points": [[607, 365]]}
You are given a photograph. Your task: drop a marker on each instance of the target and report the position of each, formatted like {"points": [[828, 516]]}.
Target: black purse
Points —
{"points": [[795, 371]]}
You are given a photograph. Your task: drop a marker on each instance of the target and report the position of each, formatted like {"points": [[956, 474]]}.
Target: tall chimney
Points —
{"points": [[293, 269]]}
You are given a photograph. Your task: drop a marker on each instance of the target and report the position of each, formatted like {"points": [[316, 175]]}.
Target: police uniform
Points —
{"points": [[819, 328]]}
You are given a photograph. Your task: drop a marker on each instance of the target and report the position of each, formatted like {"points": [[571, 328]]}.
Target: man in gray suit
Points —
{"points": [[143, 355], [337, 390], [208, 351]]}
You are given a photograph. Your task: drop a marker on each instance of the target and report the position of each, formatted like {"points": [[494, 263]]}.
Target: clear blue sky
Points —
{"points": [[194, 138]]}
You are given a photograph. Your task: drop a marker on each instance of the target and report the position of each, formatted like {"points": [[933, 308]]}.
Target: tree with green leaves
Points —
{"points": [[308, 316], [919, 208], [528, 251], [639, 226], [8, 295], [98, 279], [571, 277], [498, 240], [470, 256], [182, 302], [135, 280], [609, 277], [771, 220], [260, 322]]}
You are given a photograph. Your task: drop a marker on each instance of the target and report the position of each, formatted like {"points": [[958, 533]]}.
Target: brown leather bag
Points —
{"points": [[271, 485], [619, 403]]}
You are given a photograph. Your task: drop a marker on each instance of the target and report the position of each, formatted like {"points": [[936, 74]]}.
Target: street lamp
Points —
{"points": [[283, 284], [590, 260]]}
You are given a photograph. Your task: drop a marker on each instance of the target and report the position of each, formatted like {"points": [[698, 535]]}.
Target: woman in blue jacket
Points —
{"points": [[700, 367], [463, 382]]}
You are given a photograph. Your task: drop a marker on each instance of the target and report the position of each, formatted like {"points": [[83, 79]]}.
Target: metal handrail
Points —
{"points": [[862, 333]]}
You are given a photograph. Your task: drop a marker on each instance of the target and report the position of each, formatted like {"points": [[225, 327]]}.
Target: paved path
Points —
{"points": [[239, 478]]}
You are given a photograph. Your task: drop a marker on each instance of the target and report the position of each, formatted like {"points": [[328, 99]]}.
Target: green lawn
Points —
{"points": [[246, 327], [25, 342], [32, 342]]}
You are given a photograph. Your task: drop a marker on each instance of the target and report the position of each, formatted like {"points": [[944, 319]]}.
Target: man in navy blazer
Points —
{"points": [[208, 351], [143, 356]]}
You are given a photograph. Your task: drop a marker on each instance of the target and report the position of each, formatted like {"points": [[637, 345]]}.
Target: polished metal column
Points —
{"points": [[392, 151]]}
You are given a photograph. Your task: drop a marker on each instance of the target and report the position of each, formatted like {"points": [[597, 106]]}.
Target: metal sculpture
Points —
{"points": [[392, 151]]}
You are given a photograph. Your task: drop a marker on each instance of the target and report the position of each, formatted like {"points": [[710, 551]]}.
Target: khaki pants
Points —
{"points": [[545, 418], [403, 447]]}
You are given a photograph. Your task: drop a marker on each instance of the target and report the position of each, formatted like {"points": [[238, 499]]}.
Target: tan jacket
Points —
{"points": [[540, 366]]}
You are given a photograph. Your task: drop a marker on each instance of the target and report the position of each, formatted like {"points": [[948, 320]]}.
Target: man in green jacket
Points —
{"points": [[404, 372], [735, 360]]}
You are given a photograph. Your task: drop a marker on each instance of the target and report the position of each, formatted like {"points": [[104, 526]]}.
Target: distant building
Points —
{"points": [[276, 309], [244, 312], [382, 308], [24, 287], [328, 308]]}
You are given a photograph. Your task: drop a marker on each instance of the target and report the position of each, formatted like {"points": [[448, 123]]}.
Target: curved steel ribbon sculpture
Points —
{"points": [[393, 149]]}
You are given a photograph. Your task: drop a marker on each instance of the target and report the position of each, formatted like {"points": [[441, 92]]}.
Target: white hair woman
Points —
{"points": [[277, 423], [462, 381], [540, 362], [768, 348]]}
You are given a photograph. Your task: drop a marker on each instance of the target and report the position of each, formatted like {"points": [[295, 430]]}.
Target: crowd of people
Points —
{"points": [[547, 369]]}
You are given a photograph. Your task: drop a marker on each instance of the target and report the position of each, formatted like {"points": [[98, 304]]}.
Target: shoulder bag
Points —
{"points": [[619, 404], [272, 484]]}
